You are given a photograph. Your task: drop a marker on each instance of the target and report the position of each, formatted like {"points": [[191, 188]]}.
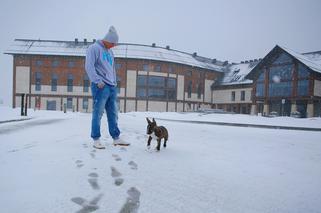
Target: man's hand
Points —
{"points": [[100, 85]]}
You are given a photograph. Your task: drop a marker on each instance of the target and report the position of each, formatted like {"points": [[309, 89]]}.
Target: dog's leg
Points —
{"points": [[158, 144], [165, 140], [149, 140]]}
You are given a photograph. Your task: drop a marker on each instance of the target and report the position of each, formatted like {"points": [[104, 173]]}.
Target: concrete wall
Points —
{"points": [[224, 96], [22, 79], [317, 88]]}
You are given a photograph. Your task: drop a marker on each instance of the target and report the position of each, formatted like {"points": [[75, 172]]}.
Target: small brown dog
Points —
{"points": [[159, 132]]}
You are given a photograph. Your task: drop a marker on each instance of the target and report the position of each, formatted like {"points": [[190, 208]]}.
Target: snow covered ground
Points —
{"points": [[47, 164]]}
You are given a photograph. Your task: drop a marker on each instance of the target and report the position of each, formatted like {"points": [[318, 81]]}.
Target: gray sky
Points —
{"points": [[232, 30]]}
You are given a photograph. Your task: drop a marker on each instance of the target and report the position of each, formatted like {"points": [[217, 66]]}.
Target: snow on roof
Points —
{"points": [[312, 60], [235, 73], [123, 50]]}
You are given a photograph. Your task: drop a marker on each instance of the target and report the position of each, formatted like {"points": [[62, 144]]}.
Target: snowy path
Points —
{"points": [[52, 167]]}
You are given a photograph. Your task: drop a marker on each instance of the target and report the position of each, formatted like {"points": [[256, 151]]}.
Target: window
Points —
{"points": [[157, 81], [55, 63], [51, 105], [199, 91], [85, 103], [142, 80], [39, 63], [70, 81], [118, 84], [261, 76], [280, 89], [189, 89], [71, 64], [233, 96], [157, 68], [38, 77], [54, 82], [156, 87], [242, 95], [145, 67], [69, 103], [283, 73], [283, 58], [86, 83], [117, 66], [303, 87], [260, 90], [303, 71]]}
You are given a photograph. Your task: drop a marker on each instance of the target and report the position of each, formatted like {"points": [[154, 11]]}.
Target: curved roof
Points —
{"points": [[123, 50]]}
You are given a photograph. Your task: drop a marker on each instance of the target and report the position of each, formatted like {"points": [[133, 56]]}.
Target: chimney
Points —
{"points": [[76, 40], [225, 63], [194, 54], [153, 45], [214, 61], [85, 41], [168, 47]]}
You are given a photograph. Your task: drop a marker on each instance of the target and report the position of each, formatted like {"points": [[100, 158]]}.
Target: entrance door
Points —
{"points": [[301, 107]]}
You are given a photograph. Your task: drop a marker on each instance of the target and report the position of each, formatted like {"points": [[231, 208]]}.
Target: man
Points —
{"points": [[100, 67]]}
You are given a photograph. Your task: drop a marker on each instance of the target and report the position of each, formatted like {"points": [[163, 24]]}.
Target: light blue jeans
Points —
{"points": [[104, 99]]}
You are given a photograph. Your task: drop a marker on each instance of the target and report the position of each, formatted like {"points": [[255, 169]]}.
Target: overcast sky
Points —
{"points": [[232, 30]]}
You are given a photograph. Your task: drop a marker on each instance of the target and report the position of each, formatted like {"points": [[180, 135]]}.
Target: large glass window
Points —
{"points": [[156, 87], [280, 89], [281, 73], [70, 82], [303, 87], [54, 82], [261, 76], [38, 77], [260, 90], [283, 58], [303, 71]]}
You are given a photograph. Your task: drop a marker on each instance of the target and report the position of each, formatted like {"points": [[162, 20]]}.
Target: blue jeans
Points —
{"points": [[104, 99]]}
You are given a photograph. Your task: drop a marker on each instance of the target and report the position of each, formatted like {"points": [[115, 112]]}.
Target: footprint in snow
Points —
{"points": [[93, 180], [132, 201], [133, 165], [116, 157], [117, 176], [87, 207], [79, 163]]}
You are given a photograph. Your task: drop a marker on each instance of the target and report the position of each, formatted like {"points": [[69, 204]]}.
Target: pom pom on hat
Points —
{"points": [[111, 36]]}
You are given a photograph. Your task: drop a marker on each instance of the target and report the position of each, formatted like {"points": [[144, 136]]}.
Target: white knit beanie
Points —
{"points": [[111, 36]]}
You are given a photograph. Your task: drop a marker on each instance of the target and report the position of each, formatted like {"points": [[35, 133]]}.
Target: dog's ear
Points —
{"points": [[154, 120], [148, 120]]}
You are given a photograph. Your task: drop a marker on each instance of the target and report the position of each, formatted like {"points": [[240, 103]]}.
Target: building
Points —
{"points": [[153, 78]]}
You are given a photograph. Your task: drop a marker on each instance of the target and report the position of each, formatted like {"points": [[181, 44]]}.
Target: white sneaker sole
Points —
{"points": [[99, 147]]}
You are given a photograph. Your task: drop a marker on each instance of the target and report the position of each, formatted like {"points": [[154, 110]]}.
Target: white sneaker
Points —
{"points": [[120, 142], [98, 145]]}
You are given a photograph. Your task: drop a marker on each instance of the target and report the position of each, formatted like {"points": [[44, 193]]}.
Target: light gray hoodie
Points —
{"points": [[100, 64]]}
